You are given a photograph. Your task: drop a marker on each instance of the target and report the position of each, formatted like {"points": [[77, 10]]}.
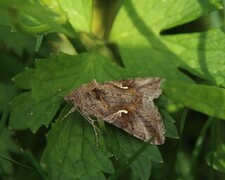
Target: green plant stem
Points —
{"points": [[16, 162], [199, 144], [34, 163], [3, 119], [183, 119], [175, 154], [214, 142]]}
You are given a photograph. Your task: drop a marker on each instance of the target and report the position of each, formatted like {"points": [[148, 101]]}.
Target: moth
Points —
{"points": [[127, 104]]}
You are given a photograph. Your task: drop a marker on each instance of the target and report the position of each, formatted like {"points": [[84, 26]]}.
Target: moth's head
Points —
{"points": [[78, 96], [73, 97], [83, 96]]}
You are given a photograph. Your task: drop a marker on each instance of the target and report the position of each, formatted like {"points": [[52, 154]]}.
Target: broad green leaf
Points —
{"points": [[203, 52], [135, 18], [50, 81], [137, 29], [206, 99], [63, 73], [71, 151]]}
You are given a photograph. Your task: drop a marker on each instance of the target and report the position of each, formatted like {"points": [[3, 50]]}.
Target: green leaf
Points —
{"points": [[55, 77], [155, 16], [216, 159], [28, 112], [124, 145], [71, 151], [47, 81], [7, 91], [125, 149], [137, 28], [24, 79], [50, 81], [71, 145], [79, 13], [17, 42], [171, 130], [4, 19], [206, 99], [63, 73], [36, 17], [202, 52]]}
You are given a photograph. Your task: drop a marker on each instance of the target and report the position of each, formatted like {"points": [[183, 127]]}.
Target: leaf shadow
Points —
{"points": [[159, 46]]}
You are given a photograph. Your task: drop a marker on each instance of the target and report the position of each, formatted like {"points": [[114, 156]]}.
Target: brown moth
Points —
{"points": [[127, 104]]}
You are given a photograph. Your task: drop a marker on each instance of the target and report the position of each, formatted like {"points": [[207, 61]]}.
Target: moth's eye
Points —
{"points": [[97, 93]]}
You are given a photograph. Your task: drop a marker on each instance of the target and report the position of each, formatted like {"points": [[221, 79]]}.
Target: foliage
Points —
{"points": [[50, 47]]}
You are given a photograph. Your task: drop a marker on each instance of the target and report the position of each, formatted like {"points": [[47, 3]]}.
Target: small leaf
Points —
{"points": [[171, 130]]}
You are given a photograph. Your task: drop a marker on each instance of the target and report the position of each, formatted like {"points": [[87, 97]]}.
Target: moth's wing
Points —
{"points": [[143, 119], [147, 86], [141, 124]]}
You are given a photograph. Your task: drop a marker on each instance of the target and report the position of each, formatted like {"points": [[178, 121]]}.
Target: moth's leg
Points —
{"points": [[95, 130], [91, 121], [71, 111]]}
